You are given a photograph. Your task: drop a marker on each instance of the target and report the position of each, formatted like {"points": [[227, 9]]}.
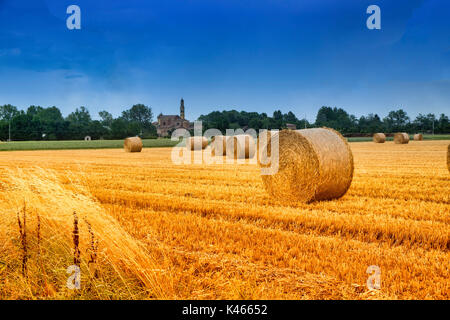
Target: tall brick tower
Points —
{"points": [[182, 109]]}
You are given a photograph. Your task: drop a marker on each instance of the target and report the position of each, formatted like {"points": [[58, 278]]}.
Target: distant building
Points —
{"points": [[291, 126], [168, 123]]}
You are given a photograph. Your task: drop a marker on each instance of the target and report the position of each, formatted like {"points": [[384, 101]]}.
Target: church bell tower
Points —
{"points": [[182, 109]]}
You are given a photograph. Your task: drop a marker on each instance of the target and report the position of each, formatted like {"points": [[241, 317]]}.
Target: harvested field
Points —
{"points": [[213, 232]]}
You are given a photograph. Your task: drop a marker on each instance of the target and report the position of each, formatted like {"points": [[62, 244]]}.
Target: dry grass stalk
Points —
{"points": [[38, 229], [76, 241], [92, 263], [448, 158], [23, 239], [133, 144], [38, 233]]}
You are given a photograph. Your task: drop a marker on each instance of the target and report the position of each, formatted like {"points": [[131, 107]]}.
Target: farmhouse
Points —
{"points": [[166, 124]]}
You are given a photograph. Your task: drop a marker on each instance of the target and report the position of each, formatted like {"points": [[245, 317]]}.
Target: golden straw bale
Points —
{"points": [[418, 137], [243, 146], [196, 143], [133, 144], [379, 138], [401, 138], [314, 164], [217, 143]]}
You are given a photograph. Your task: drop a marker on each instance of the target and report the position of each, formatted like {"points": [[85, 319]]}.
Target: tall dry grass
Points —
{"points": [[71, 229]]}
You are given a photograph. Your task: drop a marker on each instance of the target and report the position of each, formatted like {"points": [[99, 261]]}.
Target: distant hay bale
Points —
{"points": [[133, 144], [87, 138], [379, 138], [217, 143], [314, 164], [401, 138], [196, 143], [418, 137], [243, 146]]}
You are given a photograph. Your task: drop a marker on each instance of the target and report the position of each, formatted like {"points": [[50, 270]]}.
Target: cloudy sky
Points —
{"points": [[257, 55]]}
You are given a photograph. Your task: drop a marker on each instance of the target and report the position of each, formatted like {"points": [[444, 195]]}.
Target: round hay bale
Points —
{"points": [[379, 138], [87, 138], [133, 144], [314, 164], [418, 137], [217, 143], [196, 143], [243, 146], [401, 138]]}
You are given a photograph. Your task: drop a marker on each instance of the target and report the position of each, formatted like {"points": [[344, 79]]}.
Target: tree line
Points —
{"points": [[336, 118], [38, 123]]}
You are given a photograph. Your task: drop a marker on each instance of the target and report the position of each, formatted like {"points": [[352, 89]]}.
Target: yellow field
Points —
{"points": [[212, 232]]}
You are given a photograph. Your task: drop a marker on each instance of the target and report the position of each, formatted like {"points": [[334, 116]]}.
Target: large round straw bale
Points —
{"points": [[314, 164], [418, 137], [401, 138], [379, 138], [133, 144], [196, 143], [243, 146], [218, 143]]}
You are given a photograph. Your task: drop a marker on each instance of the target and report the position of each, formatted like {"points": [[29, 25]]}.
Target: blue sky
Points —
{"points": [[221, 54]]}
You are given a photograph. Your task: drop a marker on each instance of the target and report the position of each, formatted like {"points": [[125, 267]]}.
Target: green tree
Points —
{"points": [[80, 117], [122, 128], [370, 124], [396, 121], [290, 118], [140, 114], [277, 122], [7, 113], [52, 122], [443, 125], [97, 130], [26, 127], [106, 117], [336, 118], [79, 122], [33, 111]]}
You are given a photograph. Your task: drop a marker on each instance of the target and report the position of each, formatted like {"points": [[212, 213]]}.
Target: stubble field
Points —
{"points": [[150, 229]]}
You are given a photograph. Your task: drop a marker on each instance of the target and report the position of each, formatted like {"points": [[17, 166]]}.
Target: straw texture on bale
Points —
{"points": [[133, 144], [401, 138], [418, 137], [196, 143], [218, 143], [379, 138], [314, 164], [243, 146]]}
